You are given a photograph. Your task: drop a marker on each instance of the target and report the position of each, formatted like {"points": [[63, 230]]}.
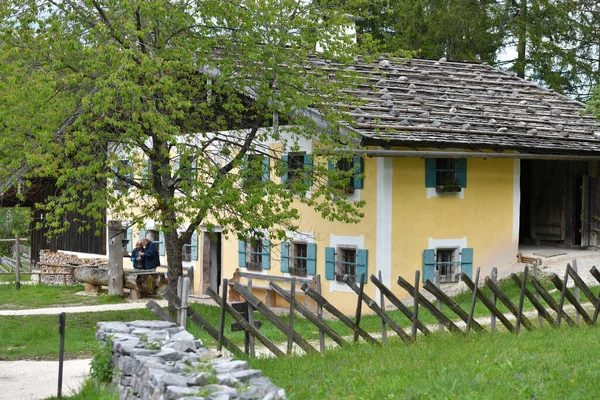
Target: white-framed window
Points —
{"points": [[190, 249], [447, 263], [450, 257], [346, 259], [298, 258], [254, 254]]}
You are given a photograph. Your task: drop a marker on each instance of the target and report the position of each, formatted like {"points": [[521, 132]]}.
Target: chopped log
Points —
{"points": [[141, 283]]}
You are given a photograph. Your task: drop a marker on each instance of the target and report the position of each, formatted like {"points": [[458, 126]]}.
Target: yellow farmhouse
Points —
{"points": [[459, 164]]}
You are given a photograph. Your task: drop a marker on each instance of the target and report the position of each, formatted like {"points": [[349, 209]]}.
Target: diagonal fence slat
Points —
{"points": [[536, 303], [582, 286], [551, 302], [309, 315], [397, 303], [373, 306], [320, 300], [451, 326], [488, 303], [431, 288], [273, 318], [245, 324], [509, 304], [569, 296]]}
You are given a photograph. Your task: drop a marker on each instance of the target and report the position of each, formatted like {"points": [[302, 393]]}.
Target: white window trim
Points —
{"points": [[344, 241], [300, 237], [431, 193]]}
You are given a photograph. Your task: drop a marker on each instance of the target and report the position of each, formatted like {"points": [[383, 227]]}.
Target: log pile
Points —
{"points": [[59, 268], [140, 283]]}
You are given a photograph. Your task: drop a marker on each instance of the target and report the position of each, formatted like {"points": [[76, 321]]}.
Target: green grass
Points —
{"points": [[540, 364], [39, 296], [92, 390]]}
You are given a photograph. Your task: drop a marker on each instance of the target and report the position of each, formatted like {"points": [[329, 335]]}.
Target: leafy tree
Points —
{"points": [[151, 109], [13, 220]]}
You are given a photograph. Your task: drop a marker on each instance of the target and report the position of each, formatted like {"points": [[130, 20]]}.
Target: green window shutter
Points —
{"points": [[161, 241], [142, 233], [285, 257], [242, 253], [266, 254], [308, 169], [329, 263], [266, 164], [331, 167], [194, 246], [430, 172], [466, 261], [362, 265], [311, 262], [284, 177], [428, 265], [130, 240], [461, 173], [358, 170]]}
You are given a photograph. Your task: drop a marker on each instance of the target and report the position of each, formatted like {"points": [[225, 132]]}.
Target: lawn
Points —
{"points": [[540, 364]]}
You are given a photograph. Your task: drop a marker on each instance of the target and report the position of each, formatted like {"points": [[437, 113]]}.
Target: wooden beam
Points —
{"points": [[488, 303], [551, 302], [509, 304], [431, 288]]}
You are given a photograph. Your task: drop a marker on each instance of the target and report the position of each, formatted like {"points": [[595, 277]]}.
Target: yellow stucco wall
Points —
{"points": [[484, 216]]}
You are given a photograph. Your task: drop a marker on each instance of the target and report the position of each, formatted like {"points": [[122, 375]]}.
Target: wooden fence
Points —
{"points": [[443, 308]]}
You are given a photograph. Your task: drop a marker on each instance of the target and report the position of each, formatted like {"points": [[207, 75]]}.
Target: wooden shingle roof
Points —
{"points": [[443, 104]]}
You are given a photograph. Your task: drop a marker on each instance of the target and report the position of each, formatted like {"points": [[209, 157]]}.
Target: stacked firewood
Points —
{"points": [[59, 268], [48, 257]]}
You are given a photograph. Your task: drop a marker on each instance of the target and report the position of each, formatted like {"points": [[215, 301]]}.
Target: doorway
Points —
{"points": [[211, 261]]}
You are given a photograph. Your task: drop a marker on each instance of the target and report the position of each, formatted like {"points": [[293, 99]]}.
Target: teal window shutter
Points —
{"points": [[362, 265], [242, 253], [308, 169], [331, 167], [284, 177], [329, 263], [461, 172], [428, 265], [142, 233], [176, 164], [358, 170], [430, 172], [466, 261], [130, 240], [266, 254], [285, 257], [194, 246], [161, 243], [311, 255], [266, 164]]}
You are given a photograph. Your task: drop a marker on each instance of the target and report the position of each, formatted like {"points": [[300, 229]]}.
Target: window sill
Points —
{"points": [[432, 192]]}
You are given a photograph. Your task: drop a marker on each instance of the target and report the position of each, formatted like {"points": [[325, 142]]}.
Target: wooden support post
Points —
{"points": [[551, 302], [198, 320], [382, 305], [451, 326], [239, 318], [17, 263], [115, 258], [320, 316], [358, 304], [537, 297], [542, 312], [509, 304], [183, 285], [493, 314], [437, 282], [563, 291], [398, 304], [576, 289], [488, 303], [415, 316], [560, 285], [336, 313], [248, 338], [272, 317], [473, 299], [430, 287], [158, 311], [521, 299], [290, 342], [373, 306], [318, 322], [223, 305]]}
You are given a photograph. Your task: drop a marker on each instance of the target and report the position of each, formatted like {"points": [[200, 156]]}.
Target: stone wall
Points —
{"points": [[159, 360]]}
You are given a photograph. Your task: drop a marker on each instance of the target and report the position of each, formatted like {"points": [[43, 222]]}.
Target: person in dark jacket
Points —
{"points": [[136, 258], [150, 254]]}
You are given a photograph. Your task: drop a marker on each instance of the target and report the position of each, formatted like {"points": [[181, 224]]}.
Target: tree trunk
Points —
{"points": [[521, 63], [174, 261]]}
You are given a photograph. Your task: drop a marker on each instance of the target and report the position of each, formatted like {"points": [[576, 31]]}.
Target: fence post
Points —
{"points": [[249, 339], [521, 299], [438, 302], [320, 316], [222, 316], [494, 279], [359, 306], [115, 258], [473, 299], [290, 343], [62, 317], [17, 263], [537, 295], [415, 315], [183, 285], [576, 290], [562, 297], [382, 301]]}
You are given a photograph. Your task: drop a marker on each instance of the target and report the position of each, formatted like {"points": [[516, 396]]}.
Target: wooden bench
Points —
{"points": [[270, 298], [140, 283]]}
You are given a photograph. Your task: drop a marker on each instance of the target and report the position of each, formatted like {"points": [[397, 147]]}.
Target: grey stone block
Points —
{"points": [[176, 392], [168, 354], [232, 366], [154, 324], [201, 379], [183, 335], [126, 365], [246, 375], [227, 380], [113, 327], [185, 346]]}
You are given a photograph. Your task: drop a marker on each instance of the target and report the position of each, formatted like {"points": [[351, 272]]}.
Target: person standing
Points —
{"points": [[136, 257], [150, 256]]}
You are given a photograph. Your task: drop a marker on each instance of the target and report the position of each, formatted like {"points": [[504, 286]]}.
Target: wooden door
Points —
{"points": [[592, 219], [548, 201]]}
